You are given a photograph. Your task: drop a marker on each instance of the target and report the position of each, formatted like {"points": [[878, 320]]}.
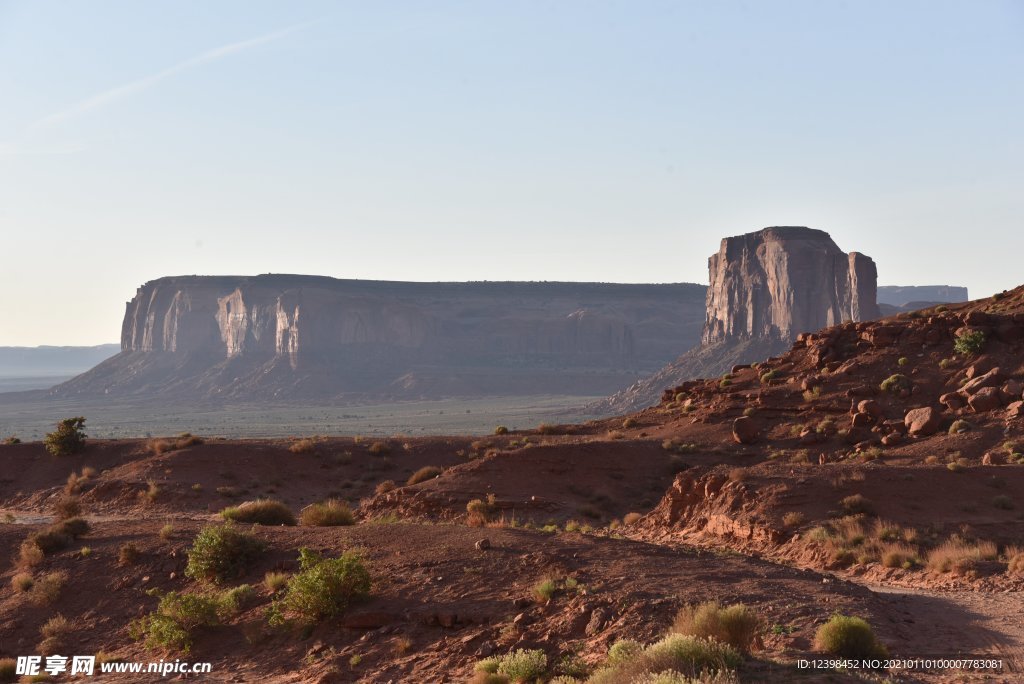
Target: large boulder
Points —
{"points": [[984, 400], [922, 422], [744, 430], [993, 378]]}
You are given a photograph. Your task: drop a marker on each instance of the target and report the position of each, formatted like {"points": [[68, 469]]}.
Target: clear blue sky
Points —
{"points": [[613, 141]]}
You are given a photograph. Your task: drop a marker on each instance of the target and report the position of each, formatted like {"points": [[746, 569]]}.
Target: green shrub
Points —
{"points": [[330, 513], [969, 343], [894, 384], [523, 665], [848, 637], [735, 625], [624, 651], [220, 553], [325, 587], [423, 474], [261, 512], [68, 438], [902, 361], [275, 581], [767, 377], [501, 430], [173, 624], [959, 426], [690, 654]]}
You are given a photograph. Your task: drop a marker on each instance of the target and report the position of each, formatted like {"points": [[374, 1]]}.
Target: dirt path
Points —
{"points": [[959, 624]]}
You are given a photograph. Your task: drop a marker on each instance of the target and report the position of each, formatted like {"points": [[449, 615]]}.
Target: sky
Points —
{"points": [[494, 140]]}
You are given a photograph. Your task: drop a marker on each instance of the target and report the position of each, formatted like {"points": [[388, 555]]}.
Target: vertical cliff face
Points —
{"points": [[781, 281], [292, 336], [765, 289]]}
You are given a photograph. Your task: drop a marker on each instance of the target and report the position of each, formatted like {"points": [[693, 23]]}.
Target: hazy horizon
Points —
{"points": [[610, 142]]}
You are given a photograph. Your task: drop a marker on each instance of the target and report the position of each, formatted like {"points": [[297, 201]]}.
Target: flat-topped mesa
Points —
{"points": [[781, 281]]}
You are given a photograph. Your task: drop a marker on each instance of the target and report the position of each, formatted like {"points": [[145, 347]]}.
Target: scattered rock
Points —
{"points": [[994, 378], [744, 430], [482, 544], [598, 618], [923, 421], [861, 420], [1015, 410], [952, 400], [870, 407], [993, 458], [892, 439]]}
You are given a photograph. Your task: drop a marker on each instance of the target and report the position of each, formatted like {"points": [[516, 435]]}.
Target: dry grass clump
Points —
{"points": [[848, 637], [22, 582], [56, 537], [675, 659], [738, 475], [423, 474], [164, 444], [793, 519], [152, 492], [959, 556], [899, 556], [167, 531], [261, 512], [379, 448], [67, 507], [329, 513], [1015, 560], [302, 446], [275, 581], [47, 588], [76, 481], [856, 504], [631, 518], [481, 511], [53, 631], [128, 554], [384, 487], [549, 429], [735, 625], [8, 670]]}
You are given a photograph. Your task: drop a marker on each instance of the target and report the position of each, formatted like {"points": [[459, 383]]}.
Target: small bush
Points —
{"points": [[523, 665], [128, 554], [167, 531], [735, 625], [384, 487], [969, 343], [325, 587], [220, 553], [330, 513], [480, 511], [545, 590], [261, 512], [902, 361], [631, 518], [68, 438], [53, 632], [1002, 502], [173, 624], [547, 429], [629, 423], [423, 474], [767, 377], [624, 651], [894, 384], [848, 637], [152, 492], [501, 430], [959, 426]]}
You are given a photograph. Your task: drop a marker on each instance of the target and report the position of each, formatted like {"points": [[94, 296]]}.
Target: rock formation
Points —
{"points": [[309, 337], [779, 282], [766, 288]]}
